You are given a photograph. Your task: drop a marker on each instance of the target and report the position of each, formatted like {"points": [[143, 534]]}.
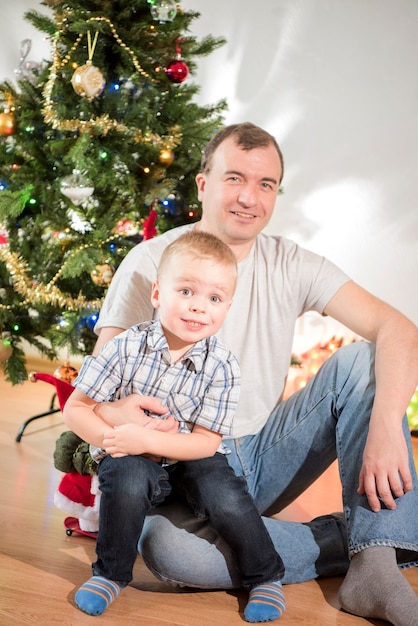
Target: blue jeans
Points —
{"points": [[328, 419], [215, 492], [132, 486]]}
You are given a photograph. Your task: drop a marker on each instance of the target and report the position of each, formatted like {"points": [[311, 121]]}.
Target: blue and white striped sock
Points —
{"points": [[96, 594], [266, 603]]}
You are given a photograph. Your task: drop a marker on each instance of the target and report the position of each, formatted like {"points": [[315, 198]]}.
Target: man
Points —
{"points": [[353, 409]]}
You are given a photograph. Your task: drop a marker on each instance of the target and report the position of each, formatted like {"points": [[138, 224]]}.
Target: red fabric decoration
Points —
{"points": [[149, 225], [64, 389], [76, 487]]}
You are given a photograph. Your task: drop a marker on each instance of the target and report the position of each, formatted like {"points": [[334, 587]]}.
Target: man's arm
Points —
{"points": [[106, 333], [385, 471]]}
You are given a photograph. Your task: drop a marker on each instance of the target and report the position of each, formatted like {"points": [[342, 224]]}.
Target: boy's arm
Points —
{"points": [[80, 417], [133, 439], [89, 419]]}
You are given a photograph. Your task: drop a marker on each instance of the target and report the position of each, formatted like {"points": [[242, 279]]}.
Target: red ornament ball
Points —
{"points": [[177, 71]]}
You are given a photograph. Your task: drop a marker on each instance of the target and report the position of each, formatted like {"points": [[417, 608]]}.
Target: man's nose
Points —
{"points": [[247, 195]]}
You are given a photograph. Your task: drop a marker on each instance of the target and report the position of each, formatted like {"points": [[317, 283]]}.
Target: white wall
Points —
{"points": [[336, 82]]}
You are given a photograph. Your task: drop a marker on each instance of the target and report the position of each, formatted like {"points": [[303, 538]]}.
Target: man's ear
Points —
{"points": [[155, 294], [200, 183]]}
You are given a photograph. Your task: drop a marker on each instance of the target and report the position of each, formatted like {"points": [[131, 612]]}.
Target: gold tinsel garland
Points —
{"points": [[103, 123], [38, 293]]}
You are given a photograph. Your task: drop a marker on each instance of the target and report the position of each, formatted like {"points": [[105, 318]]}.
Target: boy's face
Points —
{"points": [[193, 296]]}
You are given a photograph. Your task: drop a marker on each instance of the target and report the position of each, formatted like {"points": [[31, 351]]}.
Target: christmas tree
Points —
{"points": [[99, 147]]}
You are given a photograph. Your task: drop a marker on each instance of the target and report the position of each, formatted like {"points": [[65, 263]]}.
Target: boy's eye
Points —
{"points": [[215, 299], [185, 292]]}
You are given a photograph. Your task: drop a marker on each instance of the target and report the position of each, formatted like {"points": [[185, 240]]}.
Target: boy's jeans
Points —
{"points": [[213, 491], [131, 486], [327, 419]]}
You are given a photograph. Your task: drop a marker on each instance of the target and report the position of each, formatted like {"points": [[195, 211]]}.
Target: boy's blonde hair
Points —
{"points": [[200, 245]]}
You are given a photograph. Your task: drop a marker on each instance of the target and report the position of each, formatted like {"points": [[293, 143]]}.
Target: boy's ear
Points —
{"points": [[155, 294]]}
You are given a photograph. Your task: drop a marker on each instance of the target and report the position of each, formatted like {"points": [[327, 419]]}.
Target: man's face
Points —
{"points": [[238, 194]]}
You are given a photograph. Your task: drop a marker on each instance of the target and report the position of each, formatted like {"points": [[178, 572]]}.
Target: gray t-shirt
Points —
{"points": [[277, 282]]}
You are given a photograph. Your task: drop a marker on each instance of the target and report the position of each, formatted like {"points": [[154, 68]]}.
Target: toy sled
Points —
{"points": [[72, 525]]}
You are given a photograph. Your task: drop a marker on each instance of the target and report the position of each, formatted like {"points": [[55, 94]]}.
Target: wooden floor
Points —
{"points": [[41, 567]]}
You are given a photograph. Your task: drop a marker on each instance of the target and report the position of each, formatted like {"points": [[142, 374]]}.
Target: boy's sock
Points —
{"points": [[266, 603], [375, 588], [96, 594]]}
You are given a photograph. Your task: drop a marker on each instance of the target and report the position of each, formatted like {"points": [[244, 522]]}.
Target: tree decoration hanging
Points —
{"points": [[102, 274], [4, 237], [149, 231], [27, 69], [163, 10], [8, 123], [177, 70], [66, 372], [166, 157], [87, 80], [77, 187]]}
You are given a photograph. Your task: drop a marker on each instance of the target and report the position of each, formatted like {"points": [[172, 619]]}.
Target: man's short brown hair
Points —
{"points": [[246, 135]]}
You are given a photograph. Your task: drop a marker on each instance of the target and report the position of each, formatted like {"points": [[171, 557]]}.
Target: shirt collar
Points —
{"points": [[157, 341]]}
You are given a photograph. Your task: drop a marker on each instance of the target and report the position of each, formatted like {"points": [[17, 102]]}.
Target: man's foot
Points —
{"points": [[374, 587]]}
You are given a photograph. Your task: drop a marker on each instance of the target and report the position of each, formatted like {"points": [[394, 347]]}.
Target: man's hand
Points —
{"points": [[385, 473], [130, 410]]}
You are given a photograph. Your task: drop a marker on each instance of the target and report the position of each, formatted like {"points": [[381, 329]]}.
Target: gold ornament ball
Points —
{"points": [[7, 124], [5, 351], [88, 81], [102, 274], [166, 157], [66, 372]]}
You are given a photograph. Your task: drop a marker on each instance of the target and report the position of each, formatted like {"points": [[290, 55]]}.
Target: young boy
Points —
{"points": [[178, 360]]}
